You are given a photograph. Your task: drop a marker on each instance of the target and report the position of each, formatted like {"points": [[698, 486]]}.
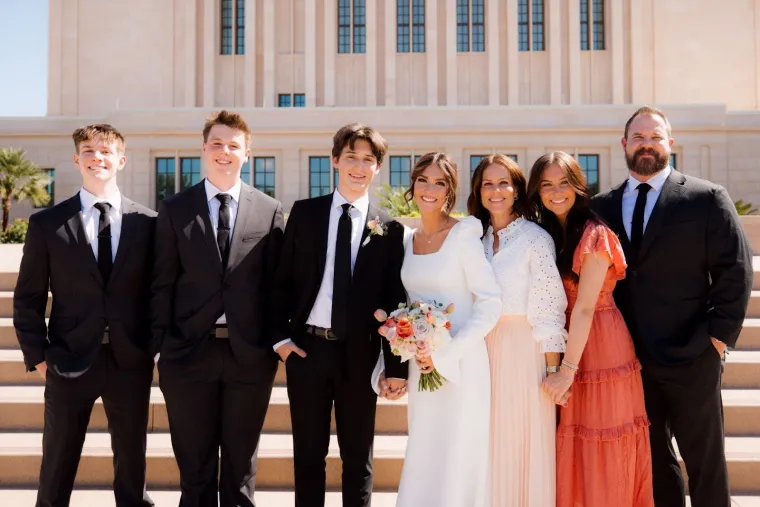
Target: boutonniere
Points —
{"points": [[376, 228]]}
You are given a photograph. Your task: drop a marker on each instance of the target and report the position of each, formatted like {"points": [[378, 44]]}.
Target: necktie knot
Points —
{"points": [[224, 199], [643, 188], [103, 207], [346, 207]]}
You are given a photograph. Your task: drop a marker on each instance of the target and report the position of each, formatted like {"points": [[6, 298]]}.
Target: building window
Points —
{"points": [[410, 22], [245, 172], [240, 28], [360, 26], [471, 26], [592, 24], [537, 18], [288, 100], [590, 166], [284, 100], [319, 176], [190, 172], [233, 34], [165, 178], [352, 19], [674, 161], [50, 187], [401, 170], [263, 174], [299, 100]]}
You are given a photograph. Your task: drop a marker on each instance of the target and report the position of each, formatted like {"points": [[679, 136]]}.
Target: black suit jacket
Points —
{"points": [[58, 256], [376, 283], [191, 289], [693, 276]]}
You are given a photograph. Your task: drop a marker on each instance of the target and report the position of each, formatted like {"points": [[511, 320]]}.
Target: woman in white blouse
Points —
{"points": [[527, 341]]}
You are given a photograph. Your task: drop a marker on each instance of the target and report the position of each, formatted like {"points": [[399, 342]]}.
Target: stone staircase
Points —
{"points": [[21, 415]]}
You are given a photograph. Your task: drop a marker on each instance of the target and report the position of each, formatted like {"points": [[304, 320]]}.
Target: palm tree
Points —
{"points": [[20, 179]]}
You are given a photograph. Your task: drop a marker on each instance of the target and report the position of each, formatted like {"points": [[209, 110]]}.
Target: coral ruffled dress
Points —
{"points": [[603, 452]]}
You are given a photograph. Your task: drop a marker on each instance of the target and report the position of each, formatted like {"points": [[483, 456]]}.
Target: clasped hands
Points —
{"points": [[394, 388], [557, 386]]}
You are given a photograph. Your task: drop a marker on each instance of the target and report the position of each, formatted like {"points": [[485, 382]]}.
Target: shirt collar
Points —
{"points": [[361, 204], [656, 181], [212, 191], [89, 200]]}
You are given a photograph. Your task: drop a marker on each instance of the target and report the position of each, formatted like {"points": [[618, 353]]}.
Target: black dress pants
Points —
{"points": [[215, 402], [68, 405], [684, 401], [315, 383]]}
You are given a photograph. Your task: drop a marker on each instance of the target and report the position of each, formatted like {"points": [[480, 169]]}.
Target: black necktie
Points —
{"points": [[637, 224], [223, 227], [105, 254], [342, 274]]}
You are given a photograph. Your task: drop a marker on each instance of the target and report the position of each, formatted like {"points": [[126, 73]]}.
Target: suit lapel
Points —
{"points": [[671, 190], [364, 246], [203, 220], [245, 208], [128, 223], [75, 226], [616, 214]]}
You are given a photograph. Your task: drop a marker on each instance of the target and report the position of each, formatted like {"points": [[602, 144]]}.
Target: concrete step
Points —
{"points": [[20, 455], [756, 269], [749, 339], [6, 304], [10, 260], [20, 462], [742, 370], [753, 310], [104, 498], [22, 409], [13, 371]]}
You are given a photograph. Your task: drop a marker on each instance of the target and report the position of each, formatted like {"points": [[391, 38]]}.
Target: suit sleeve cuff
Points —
{"points": [[281, 343]]}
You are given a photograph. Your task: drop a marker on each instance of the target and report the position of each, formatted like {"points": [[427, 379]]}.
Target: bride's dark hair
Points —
{"points": [[565, 239]]}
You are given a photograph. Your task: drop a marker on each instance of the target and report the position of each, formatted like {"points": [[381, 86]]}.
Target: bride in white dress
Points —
{"points": [[447, 454]]}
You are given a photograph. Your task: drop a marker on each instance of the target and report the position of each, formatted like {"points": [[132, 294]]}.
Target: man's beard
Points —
{"points": [[646, 166]]}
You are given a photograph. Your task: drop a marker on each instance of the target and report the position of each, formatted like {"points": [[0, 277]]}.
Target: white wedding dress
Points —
{"points": [[447, 454]]}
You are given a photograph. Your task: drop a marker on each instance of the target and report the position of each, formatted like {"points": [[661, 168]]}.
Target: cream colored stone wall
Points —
{"points": [[161, 73]]}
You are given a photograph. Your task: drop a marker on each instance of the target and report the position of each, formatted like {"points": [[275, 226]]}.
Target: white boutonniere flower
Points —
{"points": [[376, 228]]}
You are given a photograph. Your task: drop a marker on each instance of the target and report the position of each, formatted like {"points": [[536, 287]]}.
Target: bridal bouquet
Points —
{"points": [[417, 330]]}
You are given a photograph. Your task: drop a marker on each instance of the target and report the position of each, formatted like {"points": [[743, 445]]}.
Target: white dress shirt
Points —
{"points": [[91, 219], [631, 193], [321, 312], [213, 211]]}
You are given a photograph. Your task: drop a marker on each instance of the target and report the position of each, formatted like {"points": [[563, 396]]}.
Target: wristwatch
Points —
{"points": [[552, 369]]}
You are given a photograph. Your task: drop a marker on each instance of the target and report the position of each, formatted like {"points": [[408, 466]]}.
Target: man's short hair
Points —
{"points": [[228, 119], [647, 111], [349, 134], [98, 131]]}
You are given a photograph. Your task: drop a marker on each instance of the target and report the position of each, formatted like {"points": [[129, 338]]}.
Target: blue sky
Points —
{"points": [[23, 57]]}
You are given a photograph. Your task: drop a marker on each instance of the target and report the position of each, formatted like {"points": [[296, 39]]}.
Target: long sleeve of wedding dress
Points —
{"points": [[486, 294]]}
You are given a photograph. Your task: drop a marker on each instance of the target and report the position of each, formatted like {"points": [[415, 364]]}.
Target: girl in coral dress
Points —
{"points": [[603, 452]]}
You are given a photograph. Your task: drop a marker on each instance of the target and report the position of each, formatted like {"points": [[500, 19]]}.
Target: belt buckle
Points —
{"points": [[327, 336]]}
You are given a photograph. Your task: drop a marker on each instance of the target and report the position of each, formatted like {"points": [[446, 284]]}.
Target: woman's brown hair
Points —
{"points": [[475, 207], [565, 239], [450, 176]]}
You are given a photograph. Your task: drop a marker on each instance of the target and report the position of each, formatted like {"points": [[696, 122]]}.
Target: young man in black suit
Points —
{"points": [[94, 253], [684, 299], [217, 244], [334, 274]]}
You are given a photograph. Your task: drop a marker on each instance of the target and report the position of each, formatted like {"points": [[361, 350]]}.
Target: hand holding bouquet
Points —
{"points": [[415, 331]]}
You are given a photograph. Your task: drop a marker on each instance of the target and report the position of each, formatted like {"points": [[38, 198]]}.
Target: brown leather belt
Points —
{"points": [[221, 332], [321, 332]]}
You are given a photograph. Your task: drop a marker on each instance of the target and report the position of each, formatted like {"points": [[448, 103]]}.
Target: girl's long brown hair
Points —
{"points": [[565, 239]]}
